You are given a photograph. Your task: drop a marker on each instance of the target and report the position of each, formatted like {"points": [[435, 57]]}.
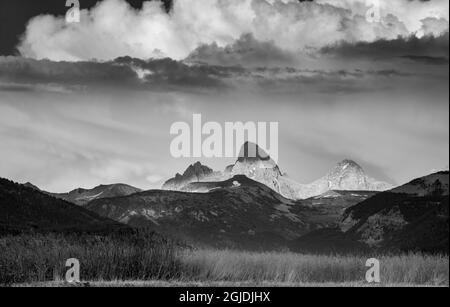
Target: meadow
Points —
{"points": [[292, 269], [133, 255], [146, 259]]}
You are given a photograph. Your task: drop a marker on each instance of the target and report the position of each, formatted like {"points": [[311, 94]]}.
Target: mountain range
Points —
{"points": [[345, 176], [237, 213], [246, 207]]}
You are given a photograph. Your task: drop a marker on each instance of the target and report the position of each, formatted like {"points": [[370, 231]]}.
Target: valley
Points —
{"points": [[210, 231]]}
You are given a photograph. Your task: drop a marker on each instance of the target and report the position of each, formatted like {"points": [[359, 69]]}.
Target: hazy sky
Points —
{"points": [[92, 103]]}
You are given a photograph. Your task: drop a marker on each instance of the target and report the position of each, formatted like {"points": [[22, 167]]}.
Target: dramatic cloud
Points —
{"points": [[411, 13], [61, 140], [246, 51], [113, 29], [435, 49], [434, 27], [126, 73], [92, 102]]}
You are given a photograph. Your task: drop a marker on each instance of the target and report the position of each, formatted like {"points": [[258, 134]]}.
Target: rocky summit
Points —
{"points": [[254, 163], [345, 176], [194, 173]]}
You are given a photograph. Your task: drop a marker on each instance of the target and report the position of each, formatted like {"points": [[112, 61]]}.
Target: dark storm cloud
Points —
{"points": [[17, 73], [427, 59], [45, 71], [246, 51], [171, 72], [428, 49], [20, 74]]}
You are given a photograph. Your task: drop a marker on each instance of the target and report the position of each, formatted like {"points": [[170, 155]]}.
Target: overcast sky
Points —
{"points": [[92, 103]]}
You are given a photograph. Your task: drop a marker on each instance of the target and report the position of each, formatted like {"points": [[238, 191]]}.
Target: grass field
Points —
{"points": [[145, 259], [126, 256], [292, 269]]}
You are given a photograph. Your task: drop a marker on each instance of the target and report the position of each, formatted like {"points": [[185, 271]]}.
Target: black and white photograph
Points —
{"points": [[245, 145]]}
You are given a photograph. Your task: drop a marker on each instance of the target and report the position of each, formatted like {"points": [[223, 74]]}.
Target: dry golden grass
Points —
{"points": [[291, 269], [38, 258], [143, 259]]}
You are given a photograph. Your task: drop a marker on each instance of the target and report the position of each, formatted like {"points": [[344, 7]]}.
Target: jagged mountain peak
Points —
{"points": [[346, 173], [194, 173], [251, 151], [348, 163], [349, 175], [346, 166], [197, 169], [251, 158], [257, 165]]}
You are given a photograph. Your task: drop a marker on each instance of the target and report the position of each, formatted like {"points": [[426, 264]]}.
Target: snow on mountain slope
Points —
{"points": [[345, 176], [194, 173], [256, 164]]}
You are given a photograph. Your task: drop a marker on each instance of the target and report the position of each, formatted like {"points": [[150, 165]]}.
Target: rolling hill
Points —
{"points": [[24, 208], [413, 217], [238, 213], [82, 196]]}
